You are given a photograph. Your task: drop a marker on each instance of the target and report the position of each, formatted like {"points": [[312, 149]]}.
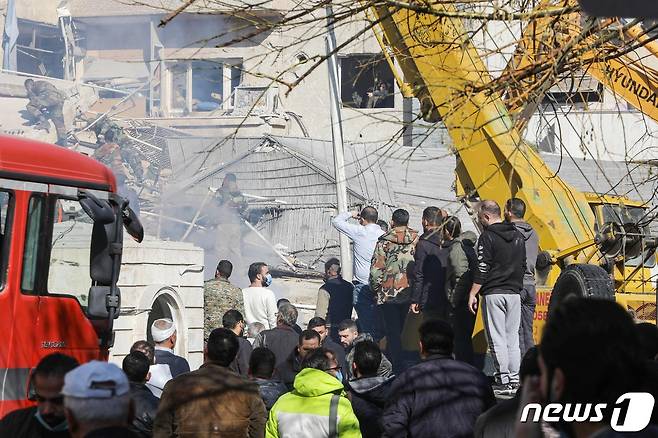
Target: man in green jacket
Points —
{"points": [[317, 406]]}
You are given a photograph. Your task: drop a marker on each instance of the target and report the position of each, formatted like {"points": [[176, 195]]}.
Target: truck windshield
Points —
{"points": [[632, 215], [59, 234]]}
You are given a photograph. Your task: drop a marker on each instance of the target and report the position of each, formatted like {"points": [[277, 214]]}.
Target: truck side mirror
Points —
{"points": [[132, 224], [104, 247], [100, 211], [100, 302]]}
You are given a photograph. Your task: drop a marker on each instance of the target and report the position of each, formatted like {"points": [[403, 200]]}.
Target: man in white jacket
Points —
{"points": [[259, 301]]}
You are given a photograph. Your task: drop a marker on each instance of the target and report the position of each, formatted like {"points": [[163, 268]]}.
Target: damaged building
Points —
{"points": [[206, 72], [196, 99], [196, 94]]}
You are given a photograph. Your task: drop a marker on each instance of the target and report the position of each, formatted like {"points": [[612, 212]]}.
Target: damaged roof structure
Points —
{"points": [[289, 185], [191, 113]]}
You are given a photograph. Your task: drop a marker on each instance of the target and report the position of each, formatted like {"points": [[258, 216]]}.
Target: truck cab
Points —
{"points": [[60, 249]]}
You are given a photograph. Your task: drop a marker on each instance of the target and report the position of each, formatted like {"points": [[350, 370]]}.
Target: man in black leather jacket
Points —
{"points": [[136, 366]]}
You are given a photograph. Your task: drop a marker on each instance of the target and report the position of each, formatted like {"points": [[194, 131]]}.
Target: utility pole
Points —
{"points": [[337, 140]]}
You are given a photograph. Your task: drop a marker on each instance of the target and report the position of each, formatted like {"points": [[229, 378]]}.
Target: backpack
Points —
{"points": [[471, 256]]}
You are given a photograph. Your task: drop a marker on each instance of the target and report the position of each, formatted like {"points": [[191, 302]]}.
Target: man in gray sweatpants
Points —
{"points": [[514, 213], [499, 279]]}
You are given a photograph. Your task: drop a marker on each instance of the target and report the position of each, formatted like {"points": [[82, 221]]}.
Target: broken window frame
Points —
{"points": [[230, 80], [574, 90], [37, 36], [391, 81]]}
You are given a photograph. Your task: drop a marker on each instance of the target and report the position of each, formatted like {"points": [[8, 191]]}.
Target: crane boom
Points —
{"points": [[445, 72], [631, 76], [433, 58]]}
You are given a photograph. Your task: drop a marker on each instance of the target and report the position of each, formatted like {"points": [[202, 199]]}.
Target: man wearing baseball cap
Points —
{"points": [[97, 401], [165, 335]]}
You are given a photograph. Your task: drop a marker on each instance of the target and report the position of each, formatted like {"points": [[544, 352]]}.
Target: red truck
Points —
{"points": [[61, 231]]}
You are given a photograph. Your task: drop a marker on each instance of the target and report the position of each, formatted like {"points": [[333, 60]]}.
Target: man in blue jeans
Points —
{"points": [[364, 236]]}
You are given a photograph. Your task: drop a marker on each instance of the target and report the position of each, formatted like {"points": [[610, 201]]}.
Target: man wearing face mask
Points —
{"points": [[259, 301], [499, 279], [48, 418], [317, 407]]}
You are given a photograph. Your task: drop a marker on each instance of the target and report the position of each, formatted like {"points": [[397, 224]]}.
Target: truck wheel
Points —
{"points": [[581, 280]]}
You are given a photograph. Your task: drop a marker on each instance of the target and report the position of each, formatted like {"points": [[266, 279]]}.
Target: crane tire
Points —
{"points": [[581, 280]]}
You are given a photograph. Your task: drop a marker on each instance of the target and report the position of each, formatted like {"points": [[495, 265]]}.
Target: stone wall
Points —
{"points": [[161, 278]]}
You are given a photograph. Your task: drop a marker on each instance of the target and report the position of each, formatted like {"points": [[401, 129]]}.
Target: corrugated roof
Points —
{"points": [[197, 159], [399, 177], [299, 190], [635, 181]]}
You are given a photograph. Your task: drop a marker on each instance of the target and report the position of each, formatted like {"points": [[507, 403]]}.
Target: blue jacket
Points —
{"points": [[270, 391], [177, 364], [438, 398], [369, 396]]}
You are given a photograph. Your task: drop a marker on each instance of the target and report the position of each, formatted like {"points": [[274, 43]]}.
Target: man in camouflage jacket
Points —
{"points": [[46, 102], [389, 281], [219, 296]]}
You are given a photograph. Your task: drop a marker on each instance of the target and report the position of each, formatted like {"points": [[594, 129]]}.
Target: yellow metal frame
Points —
{"points": [[437, 62]]}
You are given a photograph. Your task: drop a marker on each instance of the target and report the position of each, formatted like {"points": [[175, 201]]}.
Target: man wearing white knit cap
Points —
{"points": [[163, 332]]}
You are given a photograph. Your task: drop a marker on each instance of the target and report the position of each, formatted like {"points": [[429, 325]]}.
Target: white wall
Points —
{"points": [[149, 270]]}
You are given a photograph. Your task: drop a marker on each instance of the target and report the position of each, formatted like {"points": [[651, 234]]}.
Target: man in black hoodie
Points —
{"points": [[136, 367], [430, 260], [499, 279], [514, 213], [368, 391]]}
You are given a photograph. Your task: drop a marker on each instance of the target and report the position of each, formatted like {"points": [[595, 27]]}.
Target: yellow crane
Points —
{"points": [[434, 60], [568, 39], [621, 56]]}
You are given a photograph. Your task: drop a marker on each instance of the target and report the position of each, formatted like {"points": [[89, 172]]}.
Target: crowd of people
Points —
{"points": [[401, 276], [265, 376]]}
